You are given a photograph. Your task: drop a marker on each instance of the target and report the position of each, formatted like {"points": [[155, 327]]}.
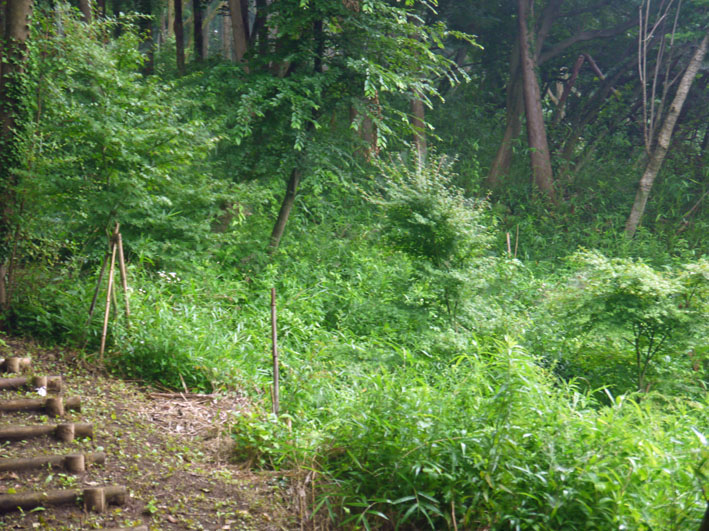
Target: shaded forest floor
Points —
{"points": [[171, 450]]}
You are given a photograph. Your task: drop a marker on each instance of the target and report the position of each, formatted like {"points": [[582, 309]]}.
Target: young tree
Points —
{"points": [[658, 153]]}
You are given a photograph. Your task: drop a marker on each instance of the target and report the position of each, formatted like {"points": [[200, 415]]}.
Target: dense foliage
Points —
{"points": [[459, 348]]}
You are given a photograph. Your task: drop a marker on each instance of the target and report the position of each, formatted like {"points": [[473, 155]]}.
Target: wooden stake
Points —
{"points": [[124, 278], [509, 247], [98, 287], [516, 240], [274, 343], [108, 295]]}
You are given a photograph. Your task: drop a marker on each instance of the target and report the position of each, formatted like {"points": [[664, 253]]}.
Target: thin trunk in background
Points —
{"points": [[285, 210], [179, 37], [418, 122], [197, 30], [513, 123], [542, 174], [657, 155]]}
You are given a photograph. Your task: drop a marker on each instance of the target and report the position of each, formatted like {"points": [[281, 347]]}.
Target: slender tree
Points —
{"points": [[664, 137], [179, 37]]}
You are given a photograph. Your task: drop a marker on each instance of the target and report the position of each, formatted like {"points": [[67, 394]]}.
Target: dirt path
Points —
{"points": [[171, 451]]}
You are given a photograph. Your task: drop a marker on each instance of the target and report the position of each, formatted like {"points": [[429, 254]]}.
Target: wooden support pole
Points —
{"points": [[15, 364], [54, 406], [124, 278], [74, 463], [98, 287], [108, 294], [94, 498], [50, 383], [63, 432], [509, 247], [274, 349]]}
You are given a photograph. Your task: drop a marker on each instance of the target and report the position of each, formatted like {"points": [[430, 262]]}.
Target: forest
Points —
{"points": [[485, 223]]}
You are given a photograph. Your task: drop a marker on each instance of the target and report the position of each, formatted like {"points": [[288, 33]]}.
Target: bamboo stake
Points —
{"points": [[509, 247], [274, 342], [98, 287], [124, 278], [516, 240], [108, 294]]}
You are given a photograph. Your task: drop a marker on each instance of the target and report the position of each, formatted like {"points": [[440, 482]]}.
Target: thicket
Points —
{"points": [[430, 378]]}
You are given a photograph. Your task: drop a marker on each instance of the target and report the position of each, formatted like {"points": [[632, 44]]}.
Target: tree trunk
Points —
{"points": [[418, 122], [85, 8], [197, 32], [542, 174], [179, 38], [146, 26], [657, 156], [515, 105], [238, 30], [13, 42], [170, 25], [286, 207]]}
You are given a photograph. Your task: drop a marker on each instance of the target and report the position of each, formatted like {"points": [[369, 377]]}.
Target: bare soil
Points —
{"points": [[171, 450]]}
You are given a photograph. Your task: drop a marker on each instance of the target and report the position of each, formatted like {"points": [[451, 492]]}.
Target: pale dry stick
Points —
{"points": [[509, 247], [274, 346], [108, 298], [124, 278], [516, 240]]}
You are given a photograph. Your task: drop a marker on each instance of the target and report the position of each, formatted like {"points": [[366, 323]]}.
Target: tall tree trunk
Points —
{"points": [[85, 8], [542, 174], [238, 30], [286, 207], [170, 25], [146, 26], [513, 125], [13, 42], [179, 37], [418, 122], [197, 17], [227, 45], [657, 156]]}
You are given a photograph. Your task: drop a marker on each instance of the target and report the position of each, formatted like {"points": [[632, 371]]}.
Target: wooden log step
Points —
{"points": [[95, 499], [64, 432], [54, 406], [14, 364], [74, 463], [50, 383], [139, 528]]}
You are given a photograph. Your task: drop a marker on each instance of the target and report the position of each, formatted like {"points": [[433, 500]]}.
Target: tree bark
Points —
{"points": [[286, 207], [542, 174], [238, 30], [13, 42], [179, 37], [197, 16], [85, 8], [418, 122], [657, 156], [513, 125]]}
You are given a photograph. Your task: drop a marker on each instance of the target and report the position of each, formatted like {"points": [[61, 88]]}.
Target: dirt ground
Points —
{"points": [[171, 450]]}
